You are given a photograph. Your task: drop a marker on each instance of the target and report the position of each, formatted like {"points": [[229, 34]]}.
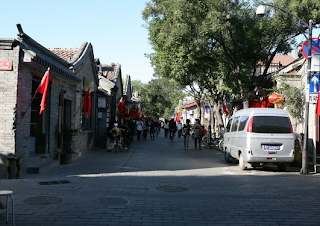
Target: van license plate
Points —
{"points": [[269, 147]]}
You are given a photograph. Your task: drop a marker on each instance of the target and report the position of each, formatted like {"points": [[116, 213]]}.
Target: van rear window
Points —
{"points": [[271, 124]]}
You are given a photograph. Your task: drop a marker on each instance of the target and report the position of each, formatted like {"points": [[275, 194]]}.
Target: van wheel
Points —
{"points": [[282, 167], [242, 163], [227, 157]]}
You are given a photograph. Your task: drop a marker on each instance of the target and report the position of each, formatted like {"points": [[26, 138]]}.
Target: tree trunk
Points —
{"points": [[246, 103], [217, 107]]}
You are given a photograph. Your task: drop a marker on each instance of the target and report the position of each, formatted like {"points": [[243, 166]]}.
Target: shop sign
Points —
{"points": [[5, 65]]}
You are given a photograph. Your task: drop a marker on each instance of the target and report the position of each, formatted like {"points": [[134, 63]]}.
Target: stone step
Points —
{"points": [[42, 167]]}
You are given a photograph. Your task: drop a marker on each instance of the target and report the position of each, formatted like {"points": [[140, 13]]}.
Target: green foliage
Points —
{"points": [[216, 44], [294, 99], [159, 97], [67, 134]]}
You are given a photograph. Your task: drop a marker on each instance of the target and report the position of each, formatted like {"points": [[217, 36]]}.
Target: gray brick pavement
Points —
{"points": [[159, 183]]}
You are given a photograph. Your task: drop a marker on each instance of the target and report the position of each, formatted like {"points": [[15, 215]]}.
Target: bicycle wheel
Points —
{"points": [[221, 145], [205, 140], [117, 147], [125, 144], [216, 144]]}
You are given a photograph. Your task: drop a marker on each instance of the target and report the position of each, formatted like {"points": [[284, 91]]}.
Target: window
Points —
{"points": [[243, 122], [271, 124], [229, 125], [234, 125]]}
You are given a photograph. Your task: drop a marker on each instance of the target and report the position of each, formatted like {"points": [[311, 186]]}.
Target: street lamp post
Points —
{"points": [[261, 11]]}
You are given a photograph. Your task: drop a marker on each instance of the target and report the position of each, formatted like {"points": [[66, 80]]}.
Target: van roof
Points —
{"points": [[261, 111]]}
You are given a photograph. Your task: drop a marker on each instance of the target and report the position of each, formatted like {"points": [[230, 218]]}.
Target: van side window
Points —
{"points": [[243, 122], [229, 125], [235, 123]]}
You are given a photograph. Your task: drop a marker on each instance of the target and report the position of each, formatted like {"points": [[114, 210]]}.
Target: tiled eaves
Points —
{"points": [[45, 57], [65, 54], [110, 71]]}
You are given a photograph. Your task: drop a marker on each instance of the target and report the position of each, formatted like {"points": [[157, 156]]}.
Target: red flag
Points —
{"points": [[132, 112], [87, 102], [225, 110], [318, 105], [43, 89], [122, 107], [137, 113]]}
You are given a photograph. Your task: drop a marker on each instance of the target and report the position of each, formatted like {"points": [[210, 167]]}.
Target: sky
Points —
{"points": [[115, 29]]}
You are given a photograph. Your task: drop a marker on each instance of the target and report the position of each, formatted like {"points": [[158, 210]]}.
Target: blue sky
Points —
{"points": [[113, 27]]}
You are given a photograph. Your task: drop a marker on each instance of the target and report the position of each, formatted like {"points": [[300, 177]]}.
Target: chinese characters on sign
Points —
{"points": [[313, 98], [6, 65]]}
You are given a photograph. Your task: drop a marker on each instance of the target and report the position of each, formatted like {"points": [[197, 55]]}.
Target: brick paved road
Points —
{"points": [[159, 183]]}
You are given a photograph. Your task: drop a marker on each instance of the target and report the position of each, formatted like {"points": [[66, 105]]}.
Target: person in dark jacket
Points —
{"points": [[172, 128], [186, 134]]}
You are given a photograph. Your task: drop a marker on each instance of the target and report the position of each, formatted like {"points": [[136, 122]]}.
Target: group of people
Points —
{"points": [[153, 127], [147, 126], [197, 131]]}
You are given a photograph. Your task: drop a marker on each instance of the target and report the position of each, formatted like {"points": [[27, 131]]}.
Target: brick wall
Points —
{"points": [[8, 103], [85, 140]]}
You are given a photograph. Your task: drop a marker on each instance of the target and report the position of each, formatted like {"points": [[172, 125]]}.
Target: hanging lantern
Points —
{"points": [[276, 98]]}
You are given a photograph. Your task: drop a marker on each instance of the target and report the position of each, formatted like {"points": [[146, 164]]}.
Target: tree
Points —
{"points": [[183, 51], [159, 97], [217, 44], [294, 98]]}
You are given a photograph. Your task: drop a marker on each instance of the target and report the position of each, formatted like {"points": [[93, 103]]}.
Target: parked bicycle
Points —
{"points": [[120, 143], [216, 142], [205, 140]]}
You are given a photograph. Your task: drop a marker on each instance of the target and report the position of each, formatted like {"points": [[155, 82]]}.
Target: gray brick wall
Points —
{"points": [[8, 103], [23, 121], [86, 139]]}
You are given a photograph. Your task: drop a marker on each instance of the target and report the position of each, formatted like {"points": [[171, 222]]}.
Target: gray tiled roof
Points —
{"points": [[65, 54]]}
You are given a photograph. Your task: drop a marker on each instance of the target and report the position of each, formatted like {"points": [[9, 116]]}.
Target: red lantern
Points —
{"points": [[276, 98]]}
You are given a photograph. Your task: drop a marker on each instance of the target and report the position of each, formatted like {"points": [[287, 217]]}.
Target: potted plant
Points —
{"points": [[67, 137]]}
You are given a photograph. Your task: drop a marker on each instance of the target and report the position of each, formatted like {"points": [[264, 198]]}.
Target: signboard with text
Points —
{"points": [[5, 65], [313, 98]]}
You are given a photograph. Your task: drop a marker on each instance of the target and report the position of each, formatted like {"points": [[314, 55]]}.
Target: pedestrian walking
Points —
{"points": [[145, 129], [152, 129], [172, 129], [156, 127], [197, 134], [139, 124], [186, 134], [127, 133], [179, 128], [166, 127]]}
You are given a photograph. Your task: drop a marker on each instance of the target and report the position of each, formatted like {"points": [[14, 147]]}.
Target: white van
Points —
{"points": [[258, 136]]}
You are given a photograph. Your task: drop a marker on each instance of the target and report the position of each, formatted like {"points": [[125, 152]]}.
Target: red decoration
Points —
{"points": [[122, 107], [318, 105], [276, 98], [255, 104], [43, 89], [87, 102], [265, 102]]}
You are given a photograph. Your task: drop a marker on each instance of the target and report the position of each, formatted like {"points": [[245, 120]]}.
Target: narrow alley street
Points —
{"points": [[158, 182]]}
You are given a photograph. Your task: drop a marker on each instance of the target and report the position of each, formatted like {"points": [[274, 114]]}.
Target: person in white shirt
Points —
{"points": [[139, 128]]}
